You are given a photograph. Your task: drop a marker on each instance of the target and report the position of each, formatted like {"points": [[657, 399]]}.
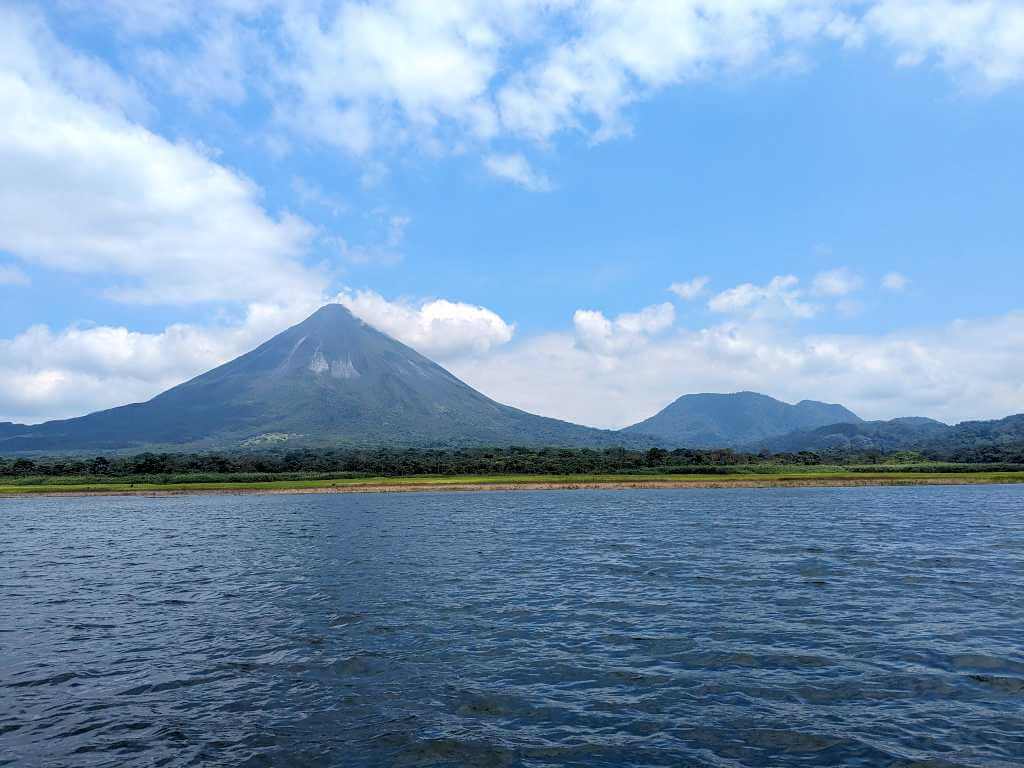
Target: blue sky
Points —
{"points": [[513, 188]]}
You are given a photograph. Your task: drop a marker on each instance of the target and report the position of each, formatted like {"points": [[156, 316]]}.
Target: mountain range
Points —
{"points": [[334, 380]]}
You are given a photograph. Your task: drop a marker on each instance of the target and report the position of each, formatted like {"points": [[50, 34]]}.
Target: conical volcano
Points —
{"points": [[330, 380]]}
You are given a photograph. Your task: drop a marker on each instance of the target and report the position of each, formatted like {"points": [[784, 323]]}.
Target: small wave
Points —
{"points": [[57, 679], [1009, 685], [456, 752]]}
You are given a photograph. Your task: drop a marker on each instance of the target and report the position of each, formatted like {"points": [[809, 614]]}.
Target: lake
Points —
{"points": [[782, 627]]}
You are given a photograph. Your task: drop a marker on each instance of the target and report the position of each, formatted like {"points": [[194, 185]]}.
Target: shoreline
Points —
{"points": [[471, 486]]}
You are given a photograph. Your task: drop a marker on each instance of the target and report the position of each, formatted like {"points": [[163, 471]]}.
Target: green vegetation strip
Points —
{"points": [[428, 482]]}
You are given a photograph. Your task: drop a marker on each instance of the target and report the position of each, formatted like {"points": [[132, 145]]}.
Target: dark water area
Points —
{"points": [[787, 627]]}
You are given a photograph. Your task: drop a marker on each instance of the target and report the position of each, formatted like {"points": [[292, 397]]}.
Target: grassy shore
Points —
{"points": [[830, 478]]}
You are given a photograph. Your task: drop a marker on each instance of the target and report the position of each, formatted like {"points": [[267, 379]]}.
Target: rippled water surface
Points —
{"points": [[810, 627]]}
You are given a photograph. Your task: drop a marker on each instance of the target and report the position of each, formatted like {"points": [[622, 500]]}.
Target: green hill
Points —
{"points": [[735, 420], [997, 440]]}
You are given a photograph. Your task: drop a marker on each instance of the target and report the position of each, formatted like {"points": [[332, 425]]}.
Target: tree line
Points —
{"points": [[466, 461]]}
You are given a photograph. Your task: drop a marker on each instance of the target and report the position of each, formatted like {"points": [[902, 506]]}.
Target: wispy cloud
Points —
{"points": [[980, 41], [517, 169], [311, 194], [387, 252], [690, 289], [781, 297], [836, 282], [895, 282], [11, 275]]}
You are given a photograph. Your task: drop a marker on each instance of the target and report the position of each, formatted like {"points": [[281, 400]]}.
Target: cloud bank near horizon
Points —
{"points": [[598, 371]]}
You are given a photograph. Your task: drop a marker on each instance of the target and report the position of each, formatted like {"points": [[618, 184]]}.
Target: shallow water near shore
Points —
{"points": [[740, 627]]}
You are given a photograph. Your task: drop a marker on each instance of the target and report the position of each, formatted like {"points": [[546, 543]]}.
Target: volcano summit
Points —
{"points": [[330, 380]]}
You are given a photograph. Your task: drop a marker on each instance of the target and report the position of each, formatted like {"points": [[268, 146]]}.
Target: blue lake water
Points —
{"points": [[804, 627]]}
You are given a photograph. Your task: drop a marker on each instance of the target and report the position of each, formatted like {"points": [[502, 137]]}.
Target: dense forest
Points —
{"points": [[475, 461], [968, 441]]}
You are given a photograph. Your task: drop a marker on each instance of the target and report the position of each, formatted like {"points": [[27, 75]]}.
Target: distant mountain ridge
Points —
{"points": [[712, 420], [963, 441], [895, 435], [331, 379]]}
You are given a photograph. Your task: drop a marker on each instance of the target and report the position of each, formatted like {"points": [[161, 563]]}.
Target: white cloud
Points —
{"points": [[11, 275], [517, 169], [436, 328], [618, 53], [836, 282], [690, 289], [596, 333], [980, 39], [447, 76], [648, 321], [931, 372], [359, 75], [29, 49], [895, 282], [780, 297], [366, 73], [85, 189]]}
